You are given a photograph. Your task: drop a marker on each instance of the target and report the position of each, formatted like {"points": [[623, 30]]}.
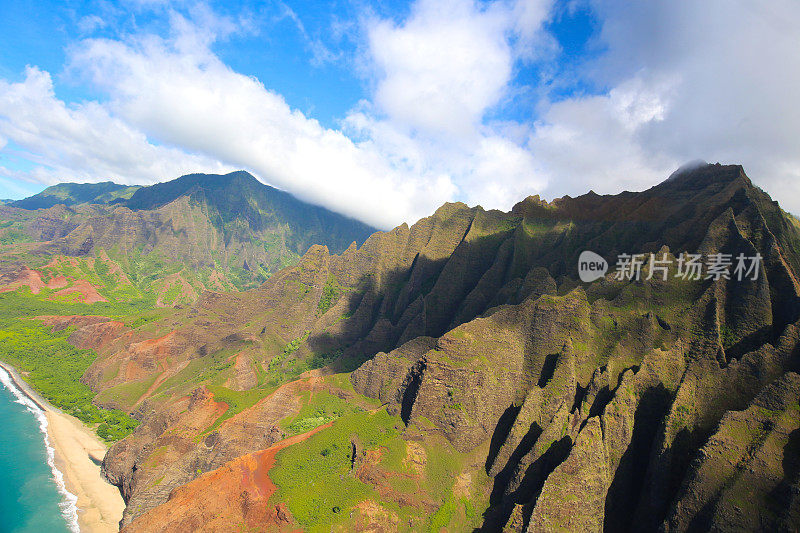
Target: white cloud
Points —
{"points": [[438, 74], [713, 80], [593, 142], [177, 92], [443, 67], [173, 107], [90, 23], [83, 142]]}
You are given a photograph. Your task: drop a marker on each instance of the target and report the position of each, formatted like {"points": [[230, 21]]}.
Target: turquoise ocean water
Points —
{"points": [[32, 497]]}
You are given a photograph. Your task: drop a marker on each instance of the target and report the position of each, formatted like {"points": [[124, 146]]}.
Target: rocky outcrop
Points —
{"points": [[610, 406], [573, 496], [746, 475]]}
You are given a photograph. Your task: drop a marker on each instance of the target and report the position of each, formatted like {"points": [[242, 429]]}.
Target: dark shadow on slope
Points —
{"points": [[500, 434], [677, 460], [502, 501], [503, 478], [791, 457], [410, 394], [580, 396], [600, 401], [548, 369], [780, 499], [750, 343], [536, 475], [421, 300], [626, 487]]}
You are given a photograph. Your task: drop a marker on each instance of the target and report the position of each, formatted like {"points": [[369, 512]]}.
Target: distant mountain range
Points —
{"points": [[76, 193], [200, 226]]}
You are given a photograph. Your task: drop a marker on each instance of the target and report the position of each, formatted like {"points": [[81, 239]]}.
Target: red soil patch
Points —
{"points": [[88, 293], [138, 360], [92, 332], [96, 336], [58, 282], [152, 349], [26, 277], [236, 493], [153, 344]]}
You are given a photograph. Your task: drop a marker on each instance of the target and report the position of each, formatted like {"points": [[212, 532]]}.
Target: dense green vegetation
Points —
{"points": [[21, 304], [54, 367], [318, 409], [315, 478], [237, 401], [284, 368], [330, 294]]}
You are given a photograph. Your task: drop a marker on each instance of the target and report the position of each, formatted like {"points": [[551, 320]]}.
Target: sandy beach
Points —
{"points": [[78, 454]]}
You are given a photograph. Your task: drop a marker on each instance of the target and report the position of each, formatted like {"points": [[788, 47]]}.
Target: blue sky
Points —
{"points": [[384, 110]]}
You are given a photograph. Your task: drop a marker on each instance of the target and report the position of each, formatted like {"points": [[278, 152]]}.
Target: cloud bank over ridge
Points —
{"points": [[677, 81]]}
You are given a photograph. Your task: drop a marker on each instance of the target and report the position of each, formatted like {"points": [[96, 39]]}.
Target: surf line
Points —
{"points": [[69, 503]]}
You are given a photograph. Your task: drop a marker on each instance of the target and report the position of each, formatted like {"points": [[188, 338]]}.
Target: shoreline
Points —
{"points": [[76, 454]]}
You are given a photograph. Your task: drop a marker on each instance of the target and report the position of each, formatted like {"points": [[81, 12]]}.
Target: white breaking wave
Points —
{"points": [[69, 505]]}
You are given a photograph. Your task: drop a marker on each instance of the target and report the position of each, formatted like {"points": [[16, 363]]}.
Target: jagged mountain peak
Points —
{"points": [[589, 402], [699, 174], [687, 167]]}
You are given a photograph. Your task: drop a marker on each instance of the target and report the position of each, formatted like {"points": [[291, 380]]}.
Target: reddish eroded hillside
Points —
{"points": [[87, 293], [127, 359], [32, 279], [26, 277], [92, 332], [62, 322], [177, 444], [237, 493], [58, 282]]}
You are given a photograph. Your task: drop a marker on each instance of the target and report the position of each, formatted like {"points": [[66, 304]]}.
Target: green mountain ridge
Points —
{"points": [[76, 193], [604, 406], [197, 226], [455, 374], [239, 203]]}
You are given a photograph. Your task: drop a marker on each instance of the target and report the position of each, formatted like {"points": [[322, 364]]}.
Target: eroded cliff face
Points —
{"points": [[615, 405], [599, 401]]}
